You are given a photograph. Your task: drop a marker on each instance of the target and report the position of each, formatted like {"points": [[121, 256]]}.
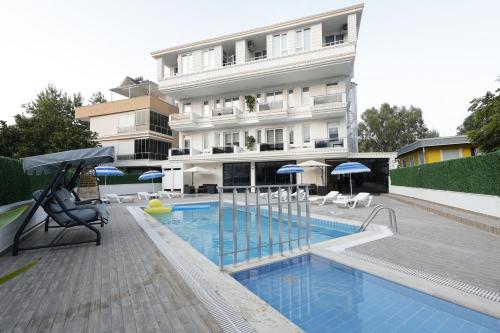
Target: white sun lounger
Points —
{"points": [[302, 194], [352, 202], [119, 198], [330, 197], [147, 195], [169, 194]]}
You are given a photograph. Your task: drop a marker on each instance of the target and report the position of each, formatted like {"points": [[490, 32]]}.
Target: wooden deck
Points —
{"points": [[124, 285]]}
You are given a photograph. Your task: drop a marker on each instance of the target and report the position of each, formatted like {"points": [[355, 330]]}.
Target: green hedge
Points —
{"points": [[126, 179], [478, 174], [15, 184]]}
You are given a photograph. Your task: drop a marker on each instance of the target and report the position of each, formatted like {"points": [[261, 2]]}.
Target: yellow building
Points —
{"points": [[433, 150]]}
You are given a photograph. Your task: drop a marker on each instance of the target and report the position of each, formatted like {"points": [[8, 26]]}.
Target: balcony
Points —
{"points": [[329, 105], [329, 143], [223, 111], [328, 99], [324, 62], [223, 150], [180, 121], [272, 146]]}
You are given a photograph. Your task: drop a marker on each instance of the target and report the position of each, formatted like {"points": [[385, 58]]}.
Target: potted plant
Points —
{"points": [[250, 142], [250, 102]]}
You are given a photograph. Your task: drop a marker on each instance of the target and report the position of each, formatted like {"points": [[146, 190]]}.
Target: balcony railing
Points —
{"points": [[180, 151], [142, 156], [272, 146], [180, 116], [224, 111], [327, 99], [337, 42], [278, 105], [256, 58], [329, 143], [131, 129], [223, 150]]}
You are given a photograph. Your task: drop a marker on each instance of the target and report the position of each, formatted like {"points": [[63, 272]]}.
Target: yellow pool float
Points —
{"points": [[155, 206]]}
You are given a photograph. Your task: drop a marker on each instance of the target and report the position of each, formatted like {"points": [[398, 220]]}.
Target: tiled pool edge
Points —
{"points": [[433, 288], [235, 308]]}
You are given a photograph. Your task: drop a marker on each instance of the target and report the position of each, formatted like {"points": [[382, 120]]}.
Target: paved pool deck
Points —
{"points": [[123, 285]]}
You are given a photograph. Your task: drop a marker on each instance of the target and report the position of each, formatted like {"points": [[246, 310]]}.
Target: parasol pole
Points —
{"points": [[350, 182]]}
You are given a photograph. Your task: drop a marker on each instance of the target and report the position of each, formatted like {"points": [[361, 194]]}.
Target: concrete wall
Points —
{"points": [[129, 188], [479, 203]]}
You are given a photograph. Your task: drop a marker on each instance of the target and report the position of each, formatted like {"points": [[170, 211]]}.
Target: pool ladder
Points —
{"points": [[392, 218]]}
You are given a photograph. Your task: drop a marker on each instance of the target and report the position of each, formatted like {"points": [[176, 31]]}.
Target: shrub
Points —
{"points": [[478, 174]]}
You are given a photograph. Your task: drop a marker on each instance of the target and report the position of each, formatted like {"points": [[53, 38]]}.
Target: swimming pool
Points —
{"points": [[320, 295], [200, 228]]}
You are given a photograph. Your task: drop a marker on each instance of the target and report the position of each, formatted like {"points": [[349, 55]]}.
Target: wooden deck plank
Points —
{"points": [[124, 285]]}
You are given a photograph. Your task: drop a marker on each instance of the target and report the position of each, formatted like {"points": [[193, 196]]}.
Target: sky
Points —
{"points": [[437, 55]]}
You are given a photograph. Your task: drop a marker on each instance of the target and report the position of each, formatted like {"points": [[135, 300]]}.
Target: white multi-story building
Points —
{"points": [[137, 126], [286, 86]]}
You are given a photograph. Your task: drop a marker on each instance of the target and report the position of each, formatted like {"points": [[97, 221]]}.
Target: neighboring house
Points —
{"points": [[138, 126], [433, 150], [288, 86]]}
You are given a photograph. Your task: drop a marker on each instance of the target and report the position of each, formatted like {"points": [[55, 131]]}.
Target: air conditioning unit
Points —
{"points": [[251, 45], [344, 27]]}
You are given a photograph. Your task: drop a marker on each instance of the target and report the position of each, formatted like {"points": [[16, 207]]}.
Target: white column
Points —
{"points": [[252, 175], [241, 47], [160, 68], [352, 28]]}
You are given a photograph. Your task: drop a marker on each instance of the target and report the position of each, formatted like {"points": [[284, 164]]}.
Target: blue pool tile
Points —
{"points": [[323, 296]]}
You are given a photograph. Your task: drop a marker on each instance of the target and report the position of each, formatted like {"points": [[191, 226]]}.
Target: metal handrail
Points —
{"points": [[392, 218], [267, 202]]}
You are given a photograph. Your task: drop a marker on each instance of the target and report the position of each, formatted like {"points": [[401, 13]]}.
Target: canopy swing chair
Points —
{"points": [[59, 200]]}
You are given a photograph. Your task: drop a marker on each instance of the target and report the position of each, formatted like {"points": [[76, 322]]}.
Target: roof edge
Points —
{"points": [[242, 34]]}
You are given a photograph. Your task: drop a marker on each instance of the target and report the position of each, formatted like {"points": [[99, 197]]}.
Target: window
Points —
{"points": [[421, 157], [303, 40], [208, 59], [232, 139], [246, 137], [291, 99], [187, 63], [206, 109], [187, 107], [280, 46], [333, 132], [125, 151], [259, 136], [151, 149], [450, 154], [218, 105], [217, 139], [205, 141], [232, 102], [306, 133], [159, 123], [187, 141], [126, 121], [306, 96], [141, 117], [290, 136], [274, 135], [275, 100]]}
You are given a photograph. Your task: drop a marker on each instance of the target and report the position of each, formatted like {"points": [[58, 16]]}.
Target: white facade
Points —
{"points": [[299, 75]]}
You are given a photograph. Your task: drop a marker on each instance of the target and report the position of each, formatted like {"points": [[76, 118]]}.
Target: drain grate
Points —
{"points": [[462, 286]]}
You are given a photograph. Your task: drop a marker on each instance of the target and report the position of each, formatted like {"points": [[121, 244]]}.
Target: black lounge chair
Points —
{"points": [[61, 203]]}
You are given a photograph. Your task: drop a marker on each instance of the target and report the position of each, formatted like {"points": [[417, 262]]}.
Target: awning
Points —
{"points": [[48, 163]]}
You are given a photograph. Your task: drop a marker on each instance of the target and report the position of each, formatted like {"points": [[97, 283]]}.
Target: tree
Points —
{"points": [[49, 125], [8, 139], [97, 98], [391, 127], [482, 126]]}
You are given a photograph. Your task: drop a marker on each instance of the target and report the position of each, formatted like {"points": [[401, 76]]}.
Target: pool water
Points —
{"points": [[200, 228], [320, 295]]}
